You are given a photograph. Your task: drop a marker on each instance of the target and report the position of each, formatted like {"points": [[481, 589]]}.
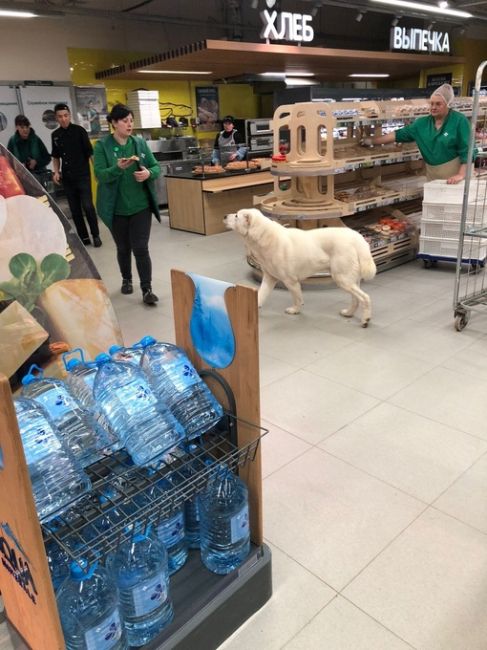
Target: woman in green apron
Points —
{"points": [[442, 138]]}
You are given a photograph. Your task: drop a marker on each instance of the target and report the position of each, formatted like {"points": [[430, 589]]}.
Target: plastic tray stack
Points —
{"points": [[441, 221]]}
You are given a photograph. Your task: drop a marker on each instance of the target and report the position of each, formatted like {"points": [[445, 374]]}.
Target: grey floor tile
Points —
{"points": [[312, 407], [454, 399], [430, 585], [342, 626], [332, 518], [298, 596], [408, 451]]}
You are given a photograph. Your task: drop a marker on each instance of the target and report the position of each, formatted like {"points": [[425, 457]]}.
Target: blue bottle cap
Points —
{"points": [[112, 349], [78, 569], [147, 340], [72, 363], [102, 358]]}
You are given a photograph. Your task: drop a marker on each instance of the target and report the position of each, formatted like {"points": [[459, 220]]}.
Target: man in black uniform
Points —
{"points": [[70, 143]]}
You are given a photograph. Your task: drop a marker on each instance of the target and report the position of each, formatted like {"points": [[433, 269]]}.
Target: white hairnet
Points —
{"points": [[445, 92]]}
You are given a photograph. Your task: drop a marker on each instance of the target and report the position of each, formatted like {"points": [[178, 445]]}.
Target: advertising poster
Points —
{"points": [[52, 298], [38, 105], [91, 108], [207, 108], [9, 109]]}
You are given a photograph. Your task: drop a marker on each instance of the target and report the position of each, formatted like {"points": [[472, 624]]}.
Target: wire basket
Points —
{"points": [[122, 487]]}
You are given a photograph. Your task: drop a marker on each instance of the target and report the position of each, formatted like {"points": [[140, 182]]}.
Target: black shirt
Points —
{"points": [[73, 147]]}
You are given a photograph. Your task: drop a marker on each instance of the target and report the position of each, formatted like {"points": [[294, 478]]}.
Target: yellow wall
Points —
{"points": [[475, 51], [235, 99]]}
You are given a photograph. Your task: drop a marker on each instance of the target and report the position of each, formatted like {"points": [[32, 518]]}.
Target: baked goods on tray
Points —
{"points": [[208, 169], [236, 165]]}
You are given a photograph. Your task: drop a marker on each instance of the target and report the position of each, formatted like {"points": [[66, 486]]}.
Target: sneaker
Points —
{"points": [[127, 287], [96, 242], [148, 297]]}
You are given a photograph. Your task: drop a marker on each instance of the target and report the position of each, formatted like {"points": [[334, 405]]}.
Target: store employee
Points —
{"points": [[442, 138], [228, 144]]}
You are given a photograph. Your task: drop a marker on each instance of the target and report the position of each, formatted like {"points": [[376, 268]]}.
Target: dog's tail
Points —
{"points": [[366, 261]]}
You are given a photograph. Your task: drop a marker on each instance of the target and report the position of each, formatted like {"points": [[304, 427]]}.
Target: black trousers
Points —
{"points": [[78, 193], [131, 235]]}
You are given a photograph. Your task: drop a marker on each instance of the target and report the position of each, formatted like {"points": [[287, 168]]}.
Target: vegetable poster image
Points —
{"points": [[51, 296]]}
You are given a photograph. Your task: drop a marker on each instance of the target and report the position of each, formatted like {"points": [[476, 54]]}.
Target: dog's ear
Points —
{"points": [[247, 217]]}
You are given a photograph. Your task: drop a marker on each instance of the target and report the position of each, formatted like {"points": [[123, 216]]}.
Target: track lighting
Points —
{"points": [[395, 21], [359, 16]]}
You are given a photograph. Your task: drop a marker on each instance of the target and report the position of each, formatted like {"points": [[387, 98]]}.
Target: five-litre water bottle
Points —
{"points": [[58, 559], [176, 381], [139, 567], [57, 477], [76, 426], [170, 529], [141, 420], [80, 380], [224, 522], [132, 354], [88, 604]]}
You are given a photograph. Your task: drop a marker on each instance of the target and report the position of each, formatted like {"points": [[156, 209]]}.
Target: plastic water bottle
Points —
{"points": [[132, 354], [80, 380], [76, 426], [139, 567], [58, 559], [224, 522], [141, 420], [89, 610], [176, 381], [57, 477], [170, 529]]}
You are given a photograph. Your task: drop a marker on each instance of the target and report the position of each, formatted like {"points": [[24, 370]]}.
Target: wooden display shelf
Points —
{"points": [[200, 205]]}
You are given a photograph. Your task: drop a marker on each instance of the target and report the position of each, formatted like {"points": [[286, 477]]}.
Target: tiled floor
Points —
{"points": [[375, 468]]}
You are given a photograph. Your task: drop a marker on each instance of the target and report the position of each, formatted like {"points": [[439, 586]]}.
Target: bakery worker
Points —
{"points": [[442, 138], [72, 147], [228, 144], [27, 147]]}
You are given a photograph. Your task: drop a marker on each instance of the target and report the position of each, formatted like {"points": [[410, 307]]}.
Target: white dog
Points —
{"points": [[291, 255]]}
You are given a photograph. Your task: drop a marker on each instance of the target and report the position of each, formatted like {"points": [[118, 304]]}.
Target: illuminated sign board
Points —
{"points": [[285, 26], [419, 40]]}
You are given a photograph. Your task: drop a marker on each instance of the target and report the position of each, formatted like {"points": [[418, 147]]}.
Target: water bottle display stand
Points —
{"points": [[208, 608]]}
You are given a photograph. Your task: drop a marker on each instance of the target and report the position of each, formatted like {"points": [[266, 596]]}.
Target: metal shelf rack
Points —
{"points": [[126, 487]]}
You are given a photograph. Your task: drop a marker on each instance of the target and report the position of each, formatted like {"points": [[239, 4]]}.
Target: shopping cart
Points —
{"points": [[470, 293]]}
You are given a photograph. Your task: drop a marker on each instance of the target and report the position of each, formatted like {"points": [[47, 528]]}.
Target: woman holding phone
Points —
{"points": [[126, 200]]}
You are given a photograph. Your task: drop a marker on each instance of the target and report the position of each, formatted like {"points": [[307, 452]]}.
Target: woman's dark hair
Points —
{"points": [[119, 112], [21, 120]]}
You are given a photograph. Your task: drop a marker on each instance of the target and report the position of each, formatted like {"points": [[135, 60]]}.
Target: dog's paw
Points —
{"points": [[346, 313], [293, 310]]}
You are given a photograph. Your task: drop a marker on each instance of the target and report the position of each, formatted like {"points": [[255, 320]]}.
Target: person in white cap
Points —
{"points": [[442, 138]]}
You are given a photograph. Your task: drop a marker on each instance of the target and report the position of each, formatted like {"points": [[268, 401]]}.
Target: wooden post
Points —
{"points": [[242, 374], [25, 581]]}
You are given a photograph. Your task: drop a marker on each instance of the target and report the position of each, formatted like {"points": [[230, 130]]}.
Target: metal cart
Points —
{"points": [[471, 281]]}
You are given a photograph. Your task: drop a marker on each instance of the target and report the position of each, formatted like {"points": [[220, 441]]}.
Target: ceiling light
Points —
{"points": [[418, 6], [443, 4], [299, 81], [359, 16], [300, 74], [376, 75], [430, 26], [172, 72], [272, 74], [395, 21], [7, 13]]}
